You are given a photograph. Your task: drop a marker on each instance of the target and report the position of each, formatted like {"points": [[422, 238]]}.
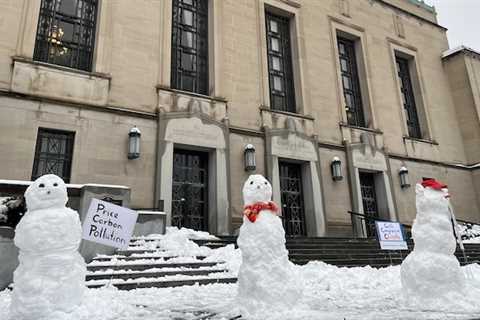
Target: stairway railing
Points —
{"points": [[364, 226]]}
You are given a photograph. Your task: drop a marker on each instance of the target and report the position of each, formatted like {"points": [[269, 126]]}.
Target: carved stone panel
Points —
{"points": [[294, 147], [192, 131]]}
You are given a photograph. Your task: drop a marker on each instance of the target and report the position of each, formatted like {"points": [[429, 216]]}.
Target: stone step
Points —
{"points": [[140, 257], [156, 274], [325, 257], [374, 262], [341, 250], [146, 266], [332, 246], [137, 251], [166, 283]]}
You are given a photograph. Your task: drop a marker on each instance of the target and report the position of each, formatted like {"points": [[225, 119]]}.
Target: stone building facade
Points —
{"points": [[310, 84]]}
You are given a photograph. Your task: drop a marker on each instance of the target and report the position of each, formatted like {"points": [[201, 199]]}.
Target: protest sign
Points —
{"points": [[109, 224], [390, 235]]}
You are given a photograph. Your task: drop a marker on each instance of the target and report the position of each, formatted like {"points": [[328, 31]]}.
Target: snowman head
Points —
{"points": [[48, 191], [256, 189], [431, 199]]}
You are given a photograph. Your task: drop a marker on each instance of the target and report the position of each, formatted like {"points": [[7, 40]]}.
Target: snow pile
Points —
{"points": [[176, 242], [177, 245], [431, 274], [470, 233], [3, 209], [231, 256], [51, 274], [267, 279]]}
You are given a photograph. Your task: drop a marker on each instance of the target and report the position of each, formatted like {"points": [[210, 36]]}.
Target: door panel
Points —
{"points": [[291, 190], [190, 190], [369, 201]]}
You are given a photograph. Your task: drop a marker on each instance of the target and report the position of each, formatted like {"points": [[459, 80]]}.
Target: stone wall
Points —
{"points": [[100, 150]]}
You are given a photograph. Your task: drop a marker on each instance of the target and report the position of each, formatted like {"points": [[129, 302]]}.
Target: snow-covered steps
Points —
{"points": [[347, 252], [159, 276], [145, 265], [151, 283], [156, 273], [127, 275], [168, 260], [152, 256]]}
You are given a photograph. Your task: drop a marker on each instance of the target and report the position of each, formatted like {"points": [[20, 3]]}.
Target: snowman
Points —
{"points": [[51, 274], [431, 270], [266, 279]]}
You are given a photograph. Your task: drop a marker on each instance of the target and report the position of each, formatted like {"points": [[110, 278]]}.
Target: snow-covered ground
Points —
{"points": [[471, 233], [330, 293]]}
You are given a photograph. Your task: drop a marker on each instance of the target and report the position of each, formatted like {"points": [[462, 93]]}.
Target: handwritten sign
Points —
{"points": [[109, 224], [390, 235]]}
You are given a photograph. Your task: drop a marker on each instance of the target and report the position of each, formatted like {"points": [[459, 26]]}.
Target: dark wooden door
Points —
{"points": [[190, 190], [291, 189], [369, 201]]}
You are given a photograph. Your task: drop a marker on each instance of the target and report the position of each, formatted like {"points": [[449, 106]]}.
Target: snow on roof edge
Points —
{"points": [[75, 186], [451, 52]]}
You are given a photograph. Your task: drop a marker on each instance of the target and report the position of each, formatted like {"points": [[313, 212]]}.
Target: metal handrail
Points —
{"points": [[370, 231]]}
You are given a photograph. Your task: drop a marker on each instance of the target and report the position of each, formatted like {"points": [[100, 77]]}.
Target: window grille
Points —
{"points": [[53, 153], [190, 46], [66, 33], [408, 98], [350, 82], [280, 73]]}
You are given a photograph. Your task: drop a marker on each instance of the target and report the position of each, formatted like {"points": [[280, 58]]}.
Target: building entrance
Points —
{"points": [[369, 201], [190, 189], [291, 190]]}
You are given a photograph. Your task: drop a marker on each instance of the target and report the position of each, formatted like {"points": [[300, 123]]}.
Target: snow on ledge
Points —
{"points": [[72, 186], [451, 52]]}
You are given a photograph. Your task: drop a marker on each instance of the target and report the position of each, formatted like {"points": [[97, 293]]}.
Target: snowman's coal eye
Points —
{"points": [[266, 182], [41, 185], [251, 182], [55, 184]]}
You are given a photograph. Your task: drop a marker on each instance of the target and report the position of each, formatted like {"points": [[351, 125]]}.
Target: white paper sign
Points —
{"points": [[109, 224], [390, 235]]}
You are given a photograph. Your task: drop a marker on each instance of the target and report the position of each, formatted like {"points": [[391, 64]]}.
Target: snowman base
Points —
{"points": [[428, 275], [267, 280]]}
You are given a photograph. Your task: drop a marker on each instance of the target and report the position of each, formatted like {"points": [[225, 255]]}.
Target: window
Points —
{"points": [[350, 82], [190, 46], [66, 33], [408, 98], [53, 153], [280, 74]]}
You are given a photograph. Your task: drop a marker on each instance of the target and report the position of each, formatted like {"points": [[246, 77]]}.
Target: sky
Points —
{"points": [[462, 19]]}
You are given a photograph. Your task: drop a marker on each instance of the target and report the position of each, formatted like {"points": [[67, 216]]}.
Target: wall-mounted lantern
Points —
{"points": [[134, 143], [336, 167], [249, 157], [403, 173]]}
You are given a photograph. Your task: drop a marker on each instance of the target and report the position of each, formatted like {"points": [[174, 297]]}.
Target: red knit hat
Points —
{"points": [[434, 184]]}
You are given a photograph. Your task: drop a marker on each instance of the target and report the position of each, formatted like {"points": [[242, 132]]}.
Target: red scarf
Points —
{"points": [[252, 210]]}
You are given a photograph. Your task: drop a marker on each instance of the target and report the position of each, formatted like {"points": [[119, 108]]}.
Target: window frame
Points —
{"points": [[410, 53], [338, 27], [355, 90], [284, 56], [403, 66], [66, 158], [200, 50], [84, 29]]}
